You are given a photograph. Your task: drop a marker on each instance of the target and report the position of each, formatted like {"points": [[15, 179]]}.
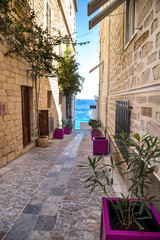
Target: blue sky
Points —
{"points": [[87, 55]]}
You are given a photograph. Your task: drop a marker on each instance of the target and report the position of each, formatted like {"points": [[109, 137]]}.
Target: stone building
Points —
{"points": [[130, 67], [18, 128]]}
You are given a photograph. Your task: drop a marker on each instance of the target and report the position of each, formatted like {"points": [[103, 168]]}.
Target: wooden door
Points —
{"points": [[25, 116], [43, 122]]}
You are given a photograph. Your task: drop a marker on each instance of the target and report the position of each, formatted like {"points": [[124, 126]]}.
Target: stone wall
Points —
{"points": [[132, 71], [13, 75], [103, 86]]}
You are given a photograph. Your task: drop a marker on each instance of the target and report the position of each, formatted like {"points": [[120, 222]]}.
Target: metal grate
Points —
{"points": [[122, 121], [122, 116]]}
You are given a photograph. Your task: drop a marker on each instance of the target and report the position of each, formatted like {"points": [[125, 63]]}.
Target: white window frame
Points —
{"points": [[70, 8], [46, 16], [131, 20]]}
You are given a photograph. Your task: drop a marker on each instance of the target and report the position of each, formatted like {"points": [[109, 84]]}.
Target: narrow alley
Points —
{"points": [[43, 195], [79, 119]]}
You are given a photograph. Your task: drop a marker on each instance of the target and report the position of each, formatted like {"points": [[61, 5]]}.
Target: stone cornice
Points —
{"points": [[141, 89]]}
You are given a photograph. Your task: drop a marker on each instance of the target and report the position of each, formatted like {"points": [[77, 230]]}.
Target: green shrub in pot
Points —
{"points": [[95, 124], [140, 153]]}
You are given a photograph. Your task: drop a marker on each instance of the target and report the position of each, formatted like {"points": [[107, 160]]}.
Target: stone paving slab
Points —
{"points": [[22, 227], [79, 215], [43, 195], [20, 180]]}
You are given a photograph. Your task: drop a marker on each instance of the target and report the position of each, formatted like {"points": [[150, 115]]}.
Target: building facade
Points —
{"points": [[130, 73], [18, 125]]}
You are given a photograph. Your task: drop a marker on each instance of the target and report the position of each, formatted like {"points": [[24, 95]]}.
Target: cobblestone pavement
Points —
{"points": [[43, 196]]}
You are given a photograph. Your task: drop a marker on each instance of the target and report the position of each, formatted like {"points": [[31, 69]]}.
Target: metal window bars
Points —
{"points": [[122, 122]]}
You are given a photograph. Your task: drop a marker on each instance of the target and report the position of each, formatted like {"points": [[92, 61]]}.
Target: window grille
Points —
{"points": [[122, 121]]}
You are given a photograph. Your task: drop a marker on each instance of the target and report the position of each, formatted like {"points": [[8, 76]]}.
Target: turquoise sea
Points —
{"points": [[83, 111]]}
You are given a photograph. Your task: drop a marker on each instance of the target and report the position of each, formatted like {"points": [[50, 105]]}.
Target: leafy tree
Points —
{"points": [[69, 80], [25, 38]]}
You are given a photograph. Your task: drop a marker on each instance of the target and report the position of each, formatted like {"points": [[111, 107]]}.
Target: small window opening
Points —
{"points": [[60, 98], [49, 96]]}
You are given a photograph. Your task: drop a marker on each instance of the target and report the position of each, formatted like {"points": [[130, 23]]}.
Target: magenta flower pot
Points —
{"points": [[100, 146], [106, 233], [95, 133], [59, 133], [67, 130]]}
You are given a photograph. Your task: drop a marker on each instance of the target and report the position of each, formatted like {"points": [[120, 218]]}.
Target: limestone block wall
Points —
{"points": [[63, 21], [13, 75], [103, 71], [133, 72], [70, 10]]}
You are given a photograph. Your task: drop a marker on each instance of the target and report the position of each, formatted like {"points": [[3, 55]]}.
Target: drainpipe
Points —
{"points": [[109, 26]]}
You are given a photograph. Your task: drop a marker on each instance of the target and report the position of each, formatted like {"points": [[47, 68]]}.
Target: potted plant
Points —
{"points": [[95, 124], [67, 126], [100, 146], [100, 143], [59, 132], [131, 217]]}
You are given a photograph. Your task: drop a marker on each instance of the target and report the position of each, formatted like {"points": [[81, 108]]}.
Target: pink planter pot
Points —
{"points": [[67, 130], [106, 233], [100, 146], [95, 133], [59, 133]]}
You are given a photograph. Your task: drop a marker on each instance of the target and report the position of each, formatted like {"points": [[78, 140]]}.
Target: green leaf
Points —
{"points": [[142, 218], [133, 185], [107, 180], [138, 196], [141, 209], [139, 225], [137, 137], [117, 164], [111, 160], [111, 181]]}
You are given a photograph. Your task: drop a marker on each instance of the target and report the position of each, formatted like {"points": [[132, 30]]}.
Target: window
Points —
{"points": [[60, 98], [49, 96], [122, 116], [74, 24], [70, 8], [122, 122], [48, 18], [131, 19]]}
